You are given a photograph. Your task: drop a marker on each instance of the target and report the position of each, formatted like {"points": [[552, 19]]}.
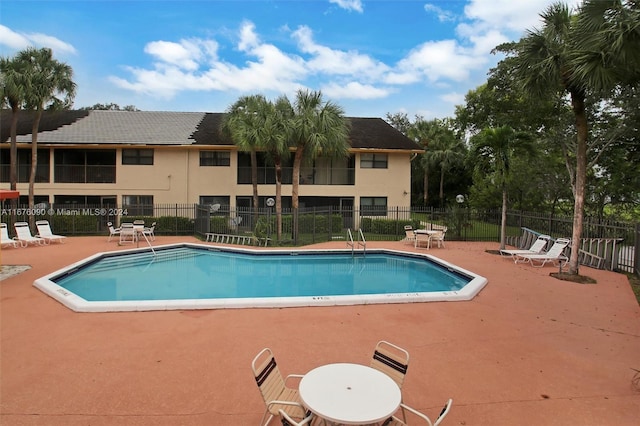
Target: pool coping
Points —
{"points": [[78, 304]]}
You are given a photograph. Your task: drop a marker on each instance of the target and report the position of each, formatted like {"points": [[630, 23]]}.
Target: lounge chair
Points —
{"points": [[275, 393], [44, 232], [410, 236], [554, 255], [288, 421], [394, 421], [537, 247], [112, 231], [5, 241], [23, 234], [392, 360]]}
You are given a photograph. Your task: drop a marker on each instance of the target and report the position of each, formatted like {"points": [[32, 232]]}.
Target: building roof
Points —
{"points": [[170, 128]]}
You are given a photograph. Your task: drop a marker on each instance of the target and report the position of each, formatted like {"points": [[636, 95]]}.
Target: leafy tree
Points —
{"points": [[497, 146], [318, 128], [556, 59], [49, 85]]}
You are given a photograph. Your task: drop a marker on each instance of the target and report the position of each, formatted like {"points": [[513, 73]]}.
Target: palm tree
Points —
{"points": [[498, 146], [594, 50], [319, 129], [445, 150], [49, 84], [12, 86], [421, 131], [275, 138], [241, 123]]}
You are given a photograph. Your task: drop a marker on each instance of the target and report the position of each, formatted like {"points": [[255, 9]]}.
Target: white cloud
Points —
{"points": [[443, 15], [354, 90], [453, 98], [444, 59], [349, 4], [19, 41], [336, 62], [187, 54]]}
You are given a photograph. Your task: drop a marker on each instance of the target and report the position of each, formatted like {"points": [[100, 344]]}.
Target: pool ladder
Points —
{"points": [[360, 241]]}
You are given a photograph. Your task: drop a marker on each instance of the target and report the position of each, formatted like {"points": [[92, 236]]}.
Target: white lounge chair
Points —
{"points": [[554, 255], [23, 234], [537, 247], [112, 231], [5, 241], [44, 232]]}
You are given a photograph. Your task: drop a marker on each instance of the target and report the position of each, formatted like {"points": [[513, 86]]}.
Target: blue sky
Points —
{"points": [[370, 57]]}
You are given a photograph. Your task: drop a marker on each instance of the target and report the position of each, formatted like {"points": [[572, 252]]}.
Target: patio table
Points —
{"points": [[349, 394]]}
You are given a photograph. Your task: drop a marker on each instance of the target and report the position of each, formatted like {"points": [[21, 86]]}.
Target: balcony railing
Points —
{"points": [[23, 171], [85, 174], [328, 176]]}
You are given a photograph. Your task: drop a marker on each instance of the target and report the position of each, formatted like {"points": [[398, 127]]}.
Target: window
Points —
{"points": [[373, 161], [373, 206], [23, 165], [215, 158], [138, 205], [137, 157]]}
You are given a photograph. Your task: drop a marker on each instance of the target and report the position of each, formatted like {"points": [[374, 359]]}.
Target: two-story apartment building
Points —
{"points": [[126, 158]]}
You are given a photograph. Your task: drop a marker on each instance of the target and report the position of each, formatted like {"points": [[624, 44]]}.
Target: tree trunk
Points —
{"points": [[442, 187], [297, 162], [503, 220], [425, 184], [34, 165], [577, 102], [13, 155]]}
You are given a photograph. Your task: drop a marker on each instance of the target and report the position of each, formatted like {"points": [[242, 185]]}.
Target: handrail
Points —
{"points": [[360, 242]]}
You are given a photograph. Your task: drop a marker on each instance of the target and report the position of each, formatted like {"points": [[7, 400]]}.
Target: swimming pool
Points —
{"points": [[195, 276]]}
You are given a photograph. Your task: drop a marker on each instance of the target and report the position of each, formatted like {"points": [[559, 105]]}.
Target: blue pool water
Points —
{"points": [[188, 273], [196, 276]]}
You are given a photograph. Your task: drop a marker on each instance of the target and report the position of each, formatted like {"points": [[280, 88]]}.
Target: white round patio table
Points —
{"points": [[349, 393]]}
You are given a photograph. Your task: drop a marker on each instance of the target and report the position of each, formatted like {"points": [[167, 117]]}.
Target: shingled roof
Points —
{"points": [[170, 128]]}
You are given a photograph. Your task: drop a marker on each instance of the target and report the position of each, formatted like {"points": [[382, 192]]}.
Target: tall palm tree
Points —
{"points": [[562, 57], [421, 131], [12, 88], [242, 123], [319, 129], [498, 146], [275, 118], [445, 151], [49, 85]]}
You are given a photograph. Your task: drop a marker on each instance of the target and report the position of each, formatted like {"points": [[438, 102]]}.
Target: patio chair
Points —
{"points": [[44, 232], [288, 421], [275, 393], [149, 232], [128, 233], [394, 421], [537, 247], [410, 236], [5, 241], [112, 231], [422, 239], [554, 255], [438, 237], [23, 234], [392, 360]]}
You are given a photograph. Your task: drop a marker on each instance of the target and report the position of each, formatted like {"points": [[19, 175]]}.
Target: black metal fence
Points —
{"points": [[323, 224]]}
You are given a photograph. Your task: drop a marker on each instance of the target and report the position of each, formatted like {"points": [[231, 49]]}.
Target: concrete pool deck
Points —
{"points": [[528, 349]]}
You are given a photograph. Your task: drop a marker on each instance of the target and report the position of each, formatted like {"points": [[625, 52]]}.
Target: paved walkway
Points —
{"points": [[529, 349]]}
